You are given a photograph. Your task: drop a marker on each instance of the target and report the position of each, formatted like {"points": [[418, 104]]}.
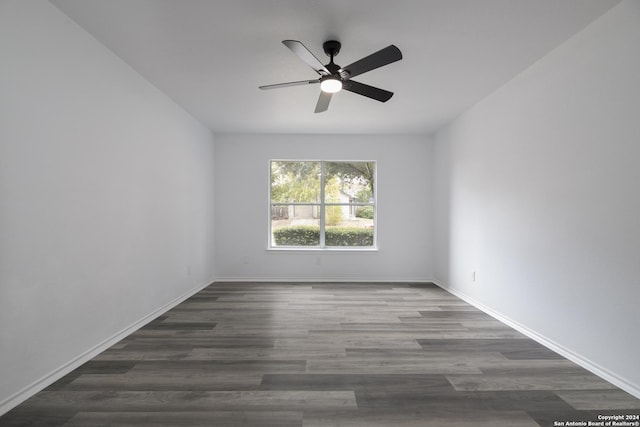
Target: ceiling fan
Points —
{"points": [[333, 78]]}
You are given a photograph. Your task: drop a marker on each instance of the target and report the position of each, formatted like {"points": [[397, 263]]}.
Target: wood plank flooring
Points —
{"points": [[341, 354]]}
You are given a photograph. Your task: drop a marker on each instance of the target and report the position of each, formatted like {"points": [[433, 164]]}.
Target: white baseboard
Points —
{"points": [[55, 375], [322, 280], [633, 389]]}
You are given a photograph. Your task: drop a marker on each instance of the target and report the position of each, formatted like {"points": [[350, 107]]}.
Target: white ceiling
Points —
{"points": [[210, 56]]}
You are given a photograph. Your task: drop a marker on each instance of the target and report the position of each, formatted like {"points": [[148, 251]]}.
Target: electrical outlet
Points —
{"points": [[245, 259], [318, 260]]}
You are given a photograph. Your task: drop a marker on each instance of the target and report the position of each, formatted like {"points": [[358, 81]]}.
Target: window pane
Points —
{"points": [[349, 182], [295, 225], [349, 225], [295, 182]]}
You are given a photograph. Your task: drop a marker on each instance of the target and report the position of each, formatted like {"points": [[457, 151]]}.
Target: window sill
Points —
{"points": [[346, 249]]}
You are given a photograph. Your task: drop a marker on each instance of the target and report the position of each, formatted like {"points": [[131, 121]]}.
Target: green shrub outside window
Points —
{"points": [[310, 236]]}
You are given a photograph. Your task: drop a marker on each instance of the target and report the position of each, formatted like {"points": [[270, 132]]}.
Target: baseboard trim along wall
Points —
{"points": [[321, 280], [68, 367], [587, 364]]}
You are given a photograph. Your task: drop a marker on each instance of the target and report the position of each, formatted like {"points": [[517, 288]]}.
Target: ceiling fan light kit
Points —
{"points": [[331, 85], [334, 78]]}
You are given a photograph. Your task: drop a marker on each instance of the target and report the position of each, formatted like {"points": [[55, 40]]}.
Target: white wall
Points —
{"points": [[537, 191], [242, 210], [106, 197]]}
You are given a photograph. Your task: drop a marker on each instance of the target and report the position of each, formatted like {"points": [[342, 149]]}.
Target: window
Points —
{"points": [[322, 204]]}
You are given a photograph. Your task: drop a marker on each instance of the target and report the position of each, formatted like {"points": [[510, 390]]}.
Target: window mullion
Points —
{"points": [[322, 210]]}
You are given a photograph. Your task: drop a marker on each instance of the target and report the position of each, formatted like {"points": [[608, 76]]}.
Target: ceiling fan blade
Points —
{"points": [[323, 102], [366, 90], [376, 60], [305, 54], [299, 83]]}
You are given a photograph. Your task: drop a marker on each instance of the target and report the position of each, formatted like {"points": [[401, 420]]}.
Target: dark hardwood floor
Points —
{"points": [[259, 354]]}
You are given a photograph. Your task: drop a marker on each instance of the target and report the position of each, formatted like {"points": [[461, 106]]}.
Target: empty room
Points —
{"points": [[320, 213]]}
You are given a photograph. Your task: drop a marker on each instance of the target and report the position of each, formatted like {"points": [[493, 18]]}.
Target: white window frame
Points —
{"points": [[322, 205]]}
